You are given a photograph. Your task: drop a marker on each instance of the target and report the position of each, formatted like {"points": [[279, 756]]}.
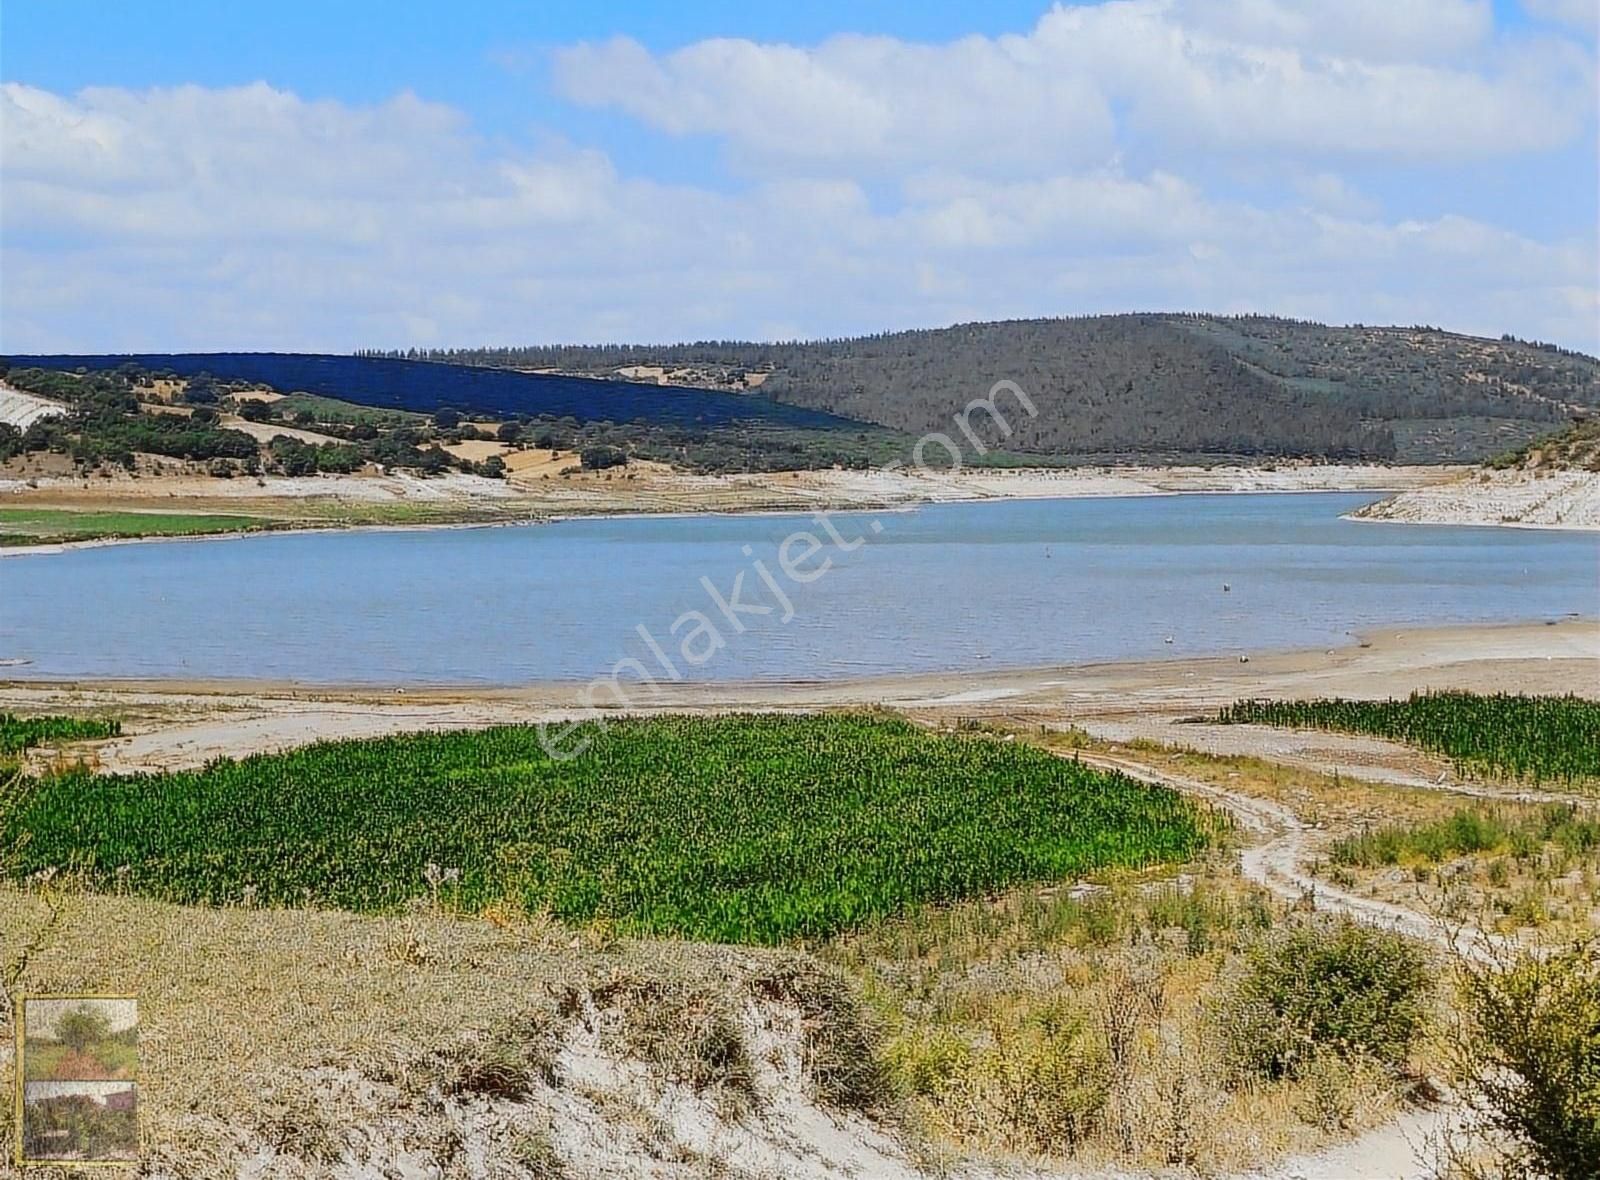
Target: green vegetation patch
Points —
{"points": [[1537, 738], [1326, 987], [1576, 448], [23, 733], [331, 409], [745, 828], [1468, 831], [34, 526]]}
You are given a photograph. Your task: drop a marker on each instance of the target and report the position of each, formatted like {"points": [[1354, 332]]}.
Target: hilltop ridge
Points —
{"points": [[1149, 385]]}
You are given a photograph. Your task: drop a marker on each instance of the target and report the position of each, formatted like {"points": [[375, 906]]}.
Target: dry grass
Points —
{"points": [[477, 449], [1084, 1023], [233, 1002], [1333, 802], [1516, 885], [1523, 875], [310, 1034]]}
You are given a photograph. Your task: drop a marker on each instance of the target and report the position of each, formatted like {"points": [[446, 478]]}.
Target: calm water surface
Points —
{"points": [[944, 587]]}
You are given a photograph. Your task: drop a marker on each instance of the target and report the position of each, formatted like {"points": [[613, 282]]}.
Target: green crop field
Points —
{"points": [[1503, 736], [34, 526], [23, 733], [748, 828]]}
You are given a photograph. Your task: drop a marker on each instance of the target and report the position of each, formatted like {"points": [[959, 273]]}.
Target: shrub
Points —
{"points": [[600, 458], [1325, 987], [82, 1027], [843, 1053], [1531, 1060]]}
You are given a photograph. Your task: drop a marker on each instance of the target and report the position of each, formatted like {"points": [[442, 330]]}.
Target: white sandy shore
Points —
{"points": [[121, 490], [1526, 499], [173, 723], [654, 491], [869, 488]]}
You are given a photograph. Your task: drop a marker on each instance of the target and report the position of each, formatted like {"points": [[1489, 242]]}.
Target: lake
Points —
{"points": [[976, 585]]}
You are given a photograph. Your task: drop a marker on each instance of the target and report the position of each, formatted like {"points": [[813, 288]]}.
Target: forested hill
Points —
{"points": [[1149, 385], [1575, 449]]}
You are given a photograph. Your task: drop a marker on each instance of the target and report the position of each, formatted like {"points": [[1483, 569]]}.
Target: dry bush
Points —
{"points": [[1132, 996], [842, 1043], [297, 1123], [1529, 1064], [684, 1033], [1088, 1023], [506, 1060], [1323, 987], [1039, 1088]]}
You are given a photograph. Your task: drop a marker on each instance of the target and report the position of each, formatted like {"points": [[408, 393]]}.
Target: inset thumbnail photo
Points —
{"points": [[79, 1039], [86, 1122]]}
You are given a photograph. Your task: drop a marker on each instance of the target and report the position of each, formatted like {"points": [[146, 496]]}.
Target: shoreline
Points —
{"points": [[838, 492], [1536, 526], [180, 724], [1566, 500], [46, 548], [1473, 638]]}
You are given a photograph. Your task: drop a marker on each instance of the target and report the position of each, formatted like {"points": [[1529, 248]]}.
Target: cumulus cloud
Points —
{"points": [[1259, 78], [1136, 154], [855, 104], [1372, 30]]}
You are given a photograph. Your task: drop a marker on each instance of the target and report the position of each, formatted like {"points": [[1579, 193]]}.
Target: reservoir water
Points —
{"points": [[953, 586]]}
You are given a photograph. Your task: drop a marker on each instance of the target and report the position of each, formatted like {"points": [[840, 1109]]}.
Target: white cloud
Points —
{"points": [[1095, 163], [1369, 79], [857, 104], [1332, 193], [1372, 30], [1580, 14]]}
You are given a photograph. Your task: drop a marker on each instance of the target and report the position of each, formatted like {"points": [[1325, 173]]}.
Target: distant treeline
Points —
{"points": [[106, 425], [1153, 384]]}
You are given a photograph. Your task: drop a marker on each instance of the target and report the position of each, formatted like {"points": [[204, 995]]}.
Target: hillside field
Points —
{"points": [[428, 387], [1158, 386]]}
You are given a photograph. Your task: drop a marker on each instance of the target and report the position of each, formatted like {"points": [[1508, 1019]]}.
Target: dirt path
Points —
{"points": [[1273, 860], [1398, 1148]]}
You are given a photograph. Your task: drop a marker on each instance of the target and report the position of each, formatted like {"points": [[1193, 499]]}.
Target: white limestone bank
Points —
{"points": [[1527, 499]]}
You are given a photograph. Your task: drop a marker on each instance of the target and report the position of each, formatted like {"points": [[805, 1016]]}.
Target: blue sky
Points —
{"points": [[336, 175]]}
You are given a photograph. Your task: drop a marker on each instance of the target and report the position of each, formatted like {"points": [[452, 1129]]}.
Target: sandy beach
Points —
{"points": [[179, 723]]}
